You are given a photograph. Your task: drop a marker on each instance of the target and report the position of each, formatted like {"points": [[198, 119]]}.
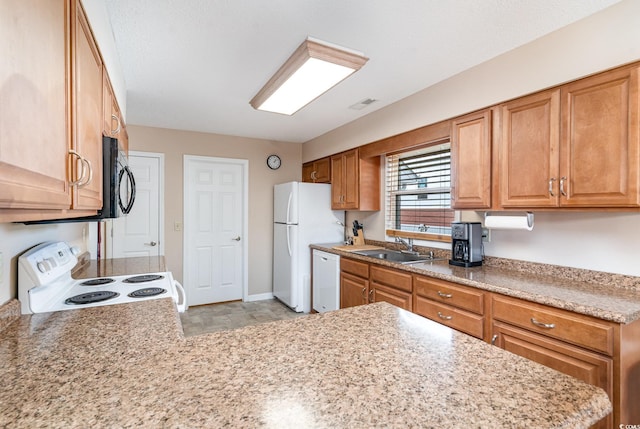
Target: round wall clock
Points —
{"points": [[274, 162]]}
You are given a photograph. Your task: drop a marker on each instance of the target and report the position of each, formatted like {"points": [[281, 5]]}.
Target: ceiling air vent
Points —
{"points": [[362, 104]]}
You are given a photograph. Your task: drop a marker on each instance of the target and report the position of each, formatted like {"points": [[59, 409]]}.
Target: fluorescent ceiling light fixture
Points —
{"points": [[313, 69]]}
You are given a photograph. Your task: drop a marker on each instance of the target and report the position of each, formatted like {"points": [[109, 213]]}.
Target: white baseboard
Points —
{"points": [[259, 297]]}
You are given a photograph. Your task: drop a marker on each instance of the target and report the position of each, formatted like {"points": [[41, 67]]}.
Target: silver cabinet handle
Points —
{"points": [[371, 295], [443, 317], [364, 293], [117, 118], [562, 179], [82, 170], [493, 339], [236, 239], [444, 295], [89, 169], [152, 244], [543, 325], [553, 179], [313, 175]]}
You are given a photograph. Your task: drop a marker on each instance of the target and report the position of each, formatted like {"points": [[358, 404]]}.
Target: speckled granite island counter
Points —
{"points": [[369, 366]]}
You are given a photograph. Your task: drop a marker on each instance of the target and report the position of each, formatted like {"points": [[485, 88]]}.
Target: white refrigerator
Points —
{"points": [[302, 215]]}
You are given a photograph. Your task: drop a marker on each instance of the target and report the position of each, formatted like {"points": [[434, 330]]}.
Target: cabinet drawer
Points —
{"points": [[392, 296], [570, 327], [356, 268], [452, 317], [390, 277], [450, 294]]}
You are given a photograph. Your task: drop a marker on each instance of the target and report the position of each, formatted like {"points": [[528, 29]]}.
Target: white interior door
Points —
{"points": [[215, 204], [139, 233]]}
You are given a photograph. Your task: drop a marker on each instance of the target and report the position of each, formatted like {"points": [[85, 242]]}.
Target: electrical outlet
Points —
{"points": [[177, 226], [486, 235]]}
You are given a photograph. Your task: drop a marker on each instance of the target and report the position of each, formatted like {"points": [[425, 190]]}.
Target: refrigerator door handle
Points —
{"points": [[289, 239], [289, 212]]}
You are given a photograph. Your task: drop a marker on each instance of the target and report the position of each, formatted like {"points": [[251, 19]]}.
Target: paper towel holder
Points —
{"points": [[523, 220]]}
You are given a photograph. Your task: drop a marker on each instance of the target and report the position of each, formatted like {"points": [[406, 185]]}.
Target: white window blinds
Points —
{"points": [[419, 191]]}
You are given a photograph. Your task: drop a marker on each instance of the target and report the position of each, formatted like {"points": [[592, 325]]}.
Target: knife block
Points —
{"points": [[358, 240]]}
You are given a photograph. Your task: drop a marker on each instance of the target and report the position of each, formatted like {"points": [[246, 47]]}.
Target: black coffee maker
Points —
{"points": [[466, 244]]}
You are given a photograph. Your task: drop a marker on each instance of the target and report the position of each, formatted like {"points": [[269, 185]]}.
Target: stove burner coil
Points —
{"points": [[150, 291], [97, 282], [143, 278], [91, 297]]}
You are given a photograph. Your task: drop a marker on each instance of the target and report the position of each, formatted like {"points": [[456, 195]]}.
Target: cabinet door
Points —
{"points": [[353, 290], [589, 367], [87, 104], [34, 77], [322, 168], [307, 172], [337, 182], [351, 182], [600, 141], [471, 161], [529, 151], [112, 118]]}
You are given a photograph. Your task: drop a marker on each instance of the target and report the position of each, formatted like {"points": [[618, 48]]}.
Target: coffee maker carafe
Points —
{"points": [[466, 244]]}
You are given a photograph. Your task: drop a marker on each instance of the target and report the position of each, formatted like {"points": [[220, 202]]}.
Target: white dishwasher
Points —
{"points": [[326, 281]]}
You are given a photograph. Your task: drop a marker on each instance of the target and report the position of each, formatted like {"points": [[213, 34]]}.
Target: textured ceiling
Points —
{"points": [[195, 64]]}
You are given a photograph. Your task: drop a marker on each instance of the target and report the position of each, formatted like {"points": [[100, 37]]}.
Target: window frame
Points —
{"points": [[392, 182]]}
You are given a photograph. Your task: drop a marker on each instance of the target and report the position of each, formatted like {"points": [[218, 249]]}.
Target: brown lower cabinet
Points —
{"points": [[605, 354]]}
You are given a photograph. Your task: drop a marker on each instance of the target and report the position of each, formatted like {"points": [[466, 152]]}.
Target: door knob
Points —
{"points": [[237, 238], [153, 243]]}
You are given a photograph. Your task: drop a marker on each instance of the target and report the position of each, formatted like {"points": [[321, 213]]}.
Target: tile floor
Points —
{"points": [[203, 319]]}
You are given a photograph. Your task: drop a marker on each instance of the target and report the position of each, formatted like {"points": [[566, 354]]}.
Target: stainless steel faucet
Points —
{"points": [[408, 243]]}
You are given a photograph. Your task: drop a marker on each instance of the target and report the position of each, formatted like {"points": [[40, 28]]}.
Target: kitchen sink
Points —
{"points": [[397, 256]]}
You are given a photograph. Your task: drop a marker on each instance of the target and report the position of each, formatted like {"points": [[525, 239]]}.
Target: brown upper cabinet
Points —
{"points": [[34, 137], [471, 161], [318, 171], [575, 146], [113, 121], [355, 182], [87, 118], [50, 129]]}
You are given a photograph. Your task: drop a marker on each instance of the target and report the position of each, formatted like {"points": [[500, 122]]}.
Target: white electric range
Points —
{"points": [[45, 283]]}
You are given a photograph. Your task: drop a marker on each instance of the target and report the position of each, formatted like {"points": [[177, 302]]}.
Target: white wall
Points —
{"points": [[601, 241], [16, 238]]}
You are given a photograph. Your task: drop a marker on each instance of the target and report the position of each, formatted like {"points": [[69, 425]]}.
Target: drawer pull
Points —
{"points": [[493, 339], [543, 325], [444, 295], [371, 295], [364, 293], [443, 317]]}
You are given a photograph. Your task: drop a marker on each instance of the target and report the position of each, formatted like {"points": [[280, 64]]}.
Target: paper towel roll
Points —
{"points": [[509, 221]]}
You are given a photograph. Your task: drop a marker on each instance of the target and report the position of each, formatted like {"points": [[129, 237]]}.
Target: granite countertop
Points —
{"points": [[118, 266], [605, 296], [369, 366]]}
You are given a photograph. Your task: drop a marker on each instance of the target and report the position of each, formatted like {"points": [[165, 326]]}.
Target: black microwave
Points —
{"points": [[118, 186]]}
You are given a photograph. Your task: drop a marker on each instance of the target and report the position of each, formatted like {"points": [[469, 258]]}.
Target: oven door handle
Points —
{"points": [[182, 299]]}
